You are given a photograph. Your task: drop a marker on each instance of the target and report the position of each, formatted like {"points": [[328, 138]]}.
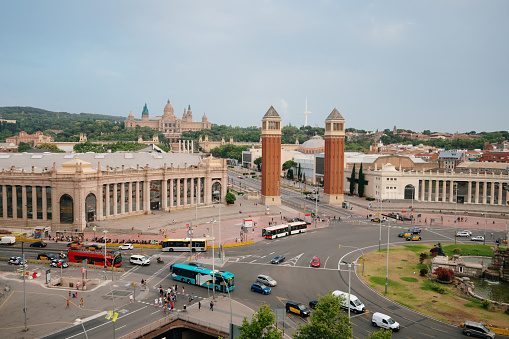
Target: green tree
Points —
{"points": [[381, 334], [360, 184], [230, 197], [289, 164], [261, 326], [258, 163], [303, 177], [50, 147], [327, 321], [299, 173], [23, 147], [352, 180], [289, 174]]}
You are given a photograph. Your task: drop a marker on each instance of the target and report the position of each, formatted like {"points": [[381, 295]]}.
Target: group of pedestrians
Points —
{"points": [[168, 298]]}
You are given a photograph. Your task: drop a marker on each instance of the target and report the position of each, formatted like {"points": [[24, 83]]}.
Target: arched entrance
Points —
{"points": [[66, 209], [90, 207], [409, 192], [216, 192]]}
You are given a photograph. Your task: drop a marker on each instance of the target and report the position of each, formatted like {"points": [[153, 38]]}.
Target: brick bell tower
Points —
{"points": [[334, 158], [271, 158]]}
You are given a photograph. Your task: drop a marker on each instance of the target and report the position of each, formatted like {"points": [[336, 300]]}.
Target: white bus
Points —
{"points": [[283, 230], [184, 245]]}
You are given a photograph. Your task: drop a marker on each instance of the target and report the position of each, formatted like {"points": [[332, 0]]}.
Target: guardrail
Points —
{"points": [[138, 333]]}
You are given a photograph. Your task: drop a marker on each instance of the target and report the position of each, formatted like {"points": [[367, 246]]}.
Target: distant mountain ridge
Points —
{"points": [[20, 112]]}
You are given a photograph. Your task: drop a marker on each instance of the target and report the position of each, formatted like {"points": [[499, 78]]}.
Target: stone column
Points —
{"points": [[451, 192], [437, 190], [122, 198], [115, 202], [500, 189], [180, 146], [171, 193], [14, 203], [444, 190], [4, 202], [193, 192], [108, 202], [44, 203], [178, 192], [99, 211], [24, 208], [137, 196], [492, 193], [146, 197], [198, 191], [207, 199], [469, 194], [130, 197], [164, 194], [34, 202], [476, 199], [430, 189], [185, 192], [485, 192]]}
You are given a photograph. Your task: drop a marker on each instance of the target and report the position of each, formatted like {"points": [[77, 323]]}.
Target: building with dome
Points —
{"points": [[168, 124], [314, 145], [67, 191]]}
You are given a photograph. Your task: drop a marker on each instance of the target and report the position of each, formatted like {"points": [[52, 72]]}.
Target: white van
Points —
{"points": [[139, 260], [384, 321], [355, 304], [7, 240], [266, 280]]}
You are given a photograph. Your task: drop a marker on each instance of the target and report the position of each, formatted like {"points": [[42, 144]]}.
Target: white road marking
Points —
{"points": [[326, 262]]}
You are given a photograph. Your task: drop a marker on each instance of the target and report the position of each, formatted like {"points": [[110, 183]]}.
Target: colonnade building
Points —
{"points": [[467, 187], [65, 191]]}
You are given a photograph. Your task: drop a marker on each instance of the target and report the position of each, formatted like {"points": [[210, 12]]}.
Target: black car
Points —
{"points": [[278, 259], [93, 247], [46, 256], [312, 304], [38, 244], [297, 308], [415, 230], [195, 264]]}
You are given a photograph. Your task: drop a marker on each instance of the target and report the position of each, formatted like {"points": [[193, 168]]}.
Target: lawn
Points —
{"points": [[408, 288]]}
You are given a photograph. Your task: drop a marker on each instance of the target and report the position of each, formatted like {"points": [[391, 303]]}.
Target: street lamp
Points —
{"points": [[456, 213], [349, 273], [485, 213], [105, 262], [387, 265]]}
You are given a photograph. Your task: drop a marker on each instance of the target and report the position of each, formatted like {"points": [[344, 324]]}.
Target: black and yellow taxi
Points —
{"points": [[93, 247], [297, 308], [405, 234], [376, 219], [413, 238], [74, 243], [46, 256]]}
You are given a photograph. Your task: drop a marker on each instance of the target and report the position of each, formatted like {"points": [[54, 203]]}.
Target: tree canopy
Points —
{"points": [[261, 325]]}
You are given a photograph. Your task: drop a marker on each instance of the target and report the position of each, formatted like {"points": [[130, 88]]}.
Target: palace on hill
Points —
{"points": [[168, 124]]}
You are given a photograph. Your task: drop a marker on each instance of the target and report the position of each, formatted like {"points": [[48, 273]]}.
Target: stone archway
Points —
{"points": [[216, 192], [90, 207], [66, 209], [409, 192]]}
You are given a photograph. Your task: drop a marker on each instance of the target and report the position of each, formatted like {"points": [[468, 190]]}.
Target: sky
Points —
{"points": [[437, 65]]}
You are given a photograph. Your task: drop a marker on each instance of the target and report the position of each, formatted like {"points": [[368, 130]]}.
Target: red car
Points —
{"points": [[315, 262]]}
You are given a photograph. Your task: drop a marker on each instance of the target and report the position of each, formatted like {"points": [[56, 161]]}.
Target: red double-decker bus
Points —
{"points": [[94, 257]]}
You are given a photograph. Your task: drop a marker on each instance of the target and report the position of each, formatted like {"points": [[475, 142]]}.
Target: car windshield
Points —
{"points": [[356, 302], [315, 260], [262, 286], [390, 321], [301, 307]]}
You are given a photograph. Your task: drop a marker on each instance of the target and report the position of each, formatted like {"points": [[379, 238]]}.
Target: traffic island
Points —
{"points": [[411, 284]]}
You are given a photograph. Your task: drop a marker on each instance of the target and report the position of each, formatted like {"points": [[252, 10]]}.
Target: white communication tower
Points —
{"points": [[306, 113]]}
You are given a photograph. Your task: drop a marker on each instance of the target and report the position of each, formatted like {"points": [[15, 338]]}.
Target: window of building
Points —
{"points": [[66, 209]]}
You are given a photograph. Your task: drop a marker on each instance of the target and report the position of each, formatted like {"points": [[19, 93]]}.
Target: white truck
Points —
{"points": [[355, 304], [7, 240], [384, 321]]}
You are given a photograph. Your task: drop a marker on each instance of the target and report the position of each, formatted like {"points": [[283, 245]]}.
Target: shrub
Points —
{"points": [[370, 199], [457, 250], [444, 274], [422, 257], [423, 272], [485, 303], [438, 288], [507, 311]]}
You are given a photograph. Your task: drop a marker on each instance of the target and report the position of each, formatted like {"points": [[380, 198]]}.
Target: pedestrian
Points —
{"points": [[81, 303], [156, 301], [69, 294], [182, 290], [199, 305], [171, 306], [189, 300], [160, 301], [192, 297], [77, 285], [211, 305]]}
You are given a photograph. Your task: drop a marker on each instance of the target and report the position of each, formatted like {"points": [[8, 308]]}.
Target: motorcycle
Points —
{"points": [[160, 261], [63, 255]]}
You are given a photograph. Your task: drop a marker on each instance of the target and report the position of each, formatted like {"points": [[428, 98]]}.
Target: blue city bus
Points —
{"points": [[224, 281]]}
